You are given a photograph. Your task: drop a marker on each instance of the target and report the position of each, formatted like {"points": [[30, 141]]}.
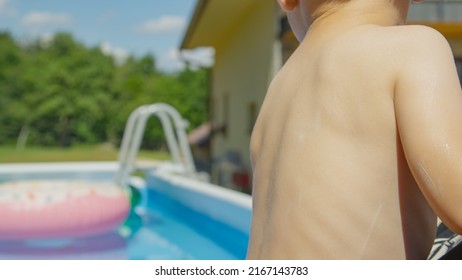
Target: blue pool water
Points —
{"points": [[173, 222]]}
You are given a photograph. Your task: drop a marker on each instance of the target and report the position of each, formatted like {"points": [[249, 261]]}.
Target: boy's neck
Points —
{"points": [[338, 17]]}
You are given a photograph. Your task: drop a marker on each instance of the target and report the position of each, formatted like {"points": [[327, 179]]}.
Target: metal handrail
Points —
{"points": [[133, 134]]}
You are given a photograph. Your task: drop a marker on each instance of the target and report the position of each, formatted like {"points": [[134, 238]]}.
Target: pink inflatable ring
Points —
{"points": [[60, 208]]}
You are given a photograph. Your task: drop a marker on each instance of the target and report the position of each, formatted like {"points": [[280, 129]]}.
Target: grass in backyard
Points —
{"points": [[9, 154]]}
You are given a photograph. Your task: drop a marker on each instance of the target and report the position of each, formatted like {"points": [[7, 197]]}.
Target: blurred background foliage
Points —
{"points": [[61, 93]]}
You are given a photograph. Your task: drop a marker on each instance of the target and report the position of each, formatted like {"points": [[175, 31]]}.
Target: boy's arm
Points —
{"points": [[428, 106]]}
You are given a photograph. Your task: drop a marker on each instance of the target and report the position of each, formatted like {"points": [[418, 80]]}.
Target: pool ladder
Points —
{"points": [[175, 135]]}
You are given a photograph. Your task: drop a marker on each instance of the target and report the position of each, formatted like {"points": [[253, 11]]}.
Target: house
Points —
{"points": [[252, 40], [244, 36]]}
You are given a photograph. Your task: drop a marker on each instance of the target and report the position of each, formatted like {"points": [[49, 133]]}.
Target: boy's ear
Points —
{"points": [[288, 5]]}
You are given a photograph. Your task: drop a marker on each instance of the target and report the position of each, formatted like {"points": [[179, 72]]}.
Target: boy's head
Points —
{"points": [[301, 13]]}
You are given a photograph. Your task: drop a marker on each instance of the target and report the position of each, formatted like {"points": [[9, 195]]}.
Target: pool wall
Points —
{"points": [[222, 214]]}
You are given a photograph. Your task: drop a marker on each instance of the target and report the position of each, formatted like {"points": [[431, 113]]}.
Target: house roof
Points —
{"points": [[211, 21]]}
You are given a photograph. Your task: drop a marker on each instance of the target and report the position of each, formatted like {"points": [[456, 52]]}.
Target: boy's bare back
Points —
{"points": [[359, 102]]}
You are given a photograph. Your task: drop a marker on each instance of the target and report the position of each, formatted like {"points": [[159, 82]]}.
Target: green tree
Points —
{"points": [[138, 82], [12, 110], [60, 92], [69, 87]]}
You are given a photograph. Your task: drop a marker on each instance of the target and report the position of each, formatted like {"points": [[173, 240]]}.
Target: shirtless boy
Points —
{"points": [[359, 141]]}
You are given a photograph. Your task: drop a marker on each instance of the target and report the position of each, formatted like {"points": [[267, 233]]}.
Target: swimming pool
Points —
{"points": [[178, 218]]}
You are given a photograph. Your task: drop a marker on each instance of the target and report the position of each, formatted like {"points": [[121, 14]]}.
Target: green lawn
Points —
{"points": [[10, 154]]}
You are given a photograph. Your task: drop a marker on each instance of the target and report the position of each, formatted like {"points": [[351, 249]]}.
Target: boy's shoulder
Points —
{"points": [[419, 33], [412, 45], [412, 40], [417, 38]]}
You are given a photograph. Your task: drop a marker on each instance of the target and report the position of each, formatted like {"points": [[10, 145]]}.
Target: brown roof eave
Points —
{"points": [[198, 11]]}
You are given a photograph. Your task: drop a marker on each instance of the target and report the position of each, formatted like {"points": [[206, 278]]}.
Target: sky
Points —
{"points": [[120, 28]]}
